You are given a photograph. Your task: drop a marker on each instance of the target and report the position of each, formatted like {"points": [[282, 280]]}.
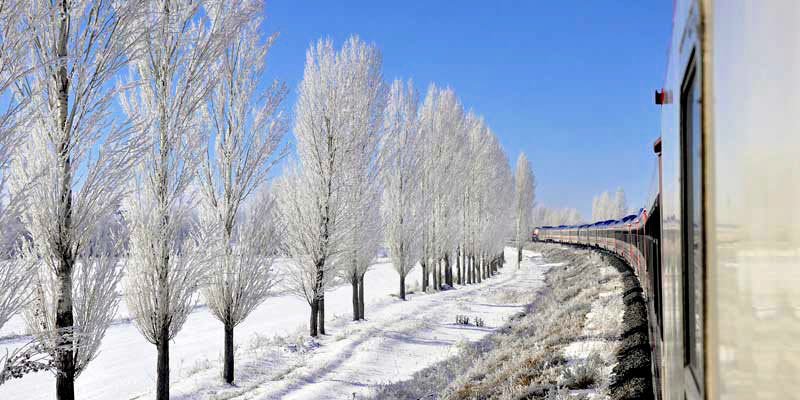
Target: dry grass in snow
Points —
{"points": [[562, 347]]}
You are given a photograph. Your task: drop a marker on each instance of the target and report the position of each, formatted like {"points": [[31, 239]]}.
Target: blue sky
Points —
{"points": [[570, 83]]}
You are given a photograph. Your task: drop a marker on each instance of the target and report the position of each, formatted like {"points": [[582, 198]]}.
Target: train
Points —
{"points": [[717, 251]]}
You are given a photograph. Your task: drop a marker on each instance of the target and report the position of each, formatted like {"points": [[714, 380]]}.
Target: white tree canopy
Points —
{"points": [[73, 166], [401, 176], [543, 216], [15, 278], [367, 92], [444, 138], [524, 187], [245, 127], [174, 76], [337, 111], [605, 207]]}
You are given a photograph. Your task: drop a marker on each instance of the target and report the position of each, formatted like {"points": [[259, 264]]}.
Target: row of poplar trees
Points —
{"points": [[136, 139]]}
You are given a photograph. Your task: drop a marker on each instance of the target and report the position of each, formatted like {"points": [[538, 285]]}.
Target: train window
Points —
{"points": [[692, 222]]}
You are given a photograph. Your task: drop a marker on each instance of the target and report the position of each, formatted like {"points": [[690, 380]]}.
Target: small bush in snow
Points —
{"points": [[584, 374]]}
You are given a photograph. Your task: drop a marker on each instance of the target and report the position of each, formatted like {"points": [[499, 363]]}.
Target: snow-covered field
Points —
{"points": [[274, 360]]}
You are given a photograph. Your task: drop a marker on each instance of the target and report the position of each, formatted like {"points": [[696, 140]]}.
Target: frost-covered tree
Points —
{"points": [[311, 244], [314, 196], [364, 234], [73, 165], [473, 199], [499, 206], [241, 259], [602, 207], [605, 206], [14, 273], [443, 134], [175, 72], [245, 128], [543, 216], [401, 158], [524, 188], [489, 189], [620, 204], [366, 99]]}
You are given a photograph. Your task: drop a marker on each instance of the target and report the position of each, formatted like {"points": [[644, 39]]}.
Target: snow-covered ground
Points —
{"points": [[564, 346], [397, 339]]}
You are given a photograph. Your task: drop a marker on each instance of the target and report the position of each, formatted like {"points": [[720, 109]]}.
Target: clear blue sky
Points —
{"points": [[570, 83]]}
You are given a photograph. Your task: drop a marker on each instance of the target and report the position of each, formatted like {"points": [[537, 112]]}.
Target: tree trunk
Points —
{"points": [[472, 268], [519, 256], [162, 368], [321, 317], [434, 266], [448, 270], [467, 269], [424, 277], [65, 385], [361, 297], [464, 265], [312, 323], [440, 273], [402, 287], [458, 267], [354, 283], [477, 268], [436, 284], [65, 360], [228, 369]]}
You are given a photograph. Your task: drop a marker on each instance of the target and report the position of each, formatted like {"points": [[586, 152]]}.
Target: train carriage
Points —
{"points": [[717, 251]]}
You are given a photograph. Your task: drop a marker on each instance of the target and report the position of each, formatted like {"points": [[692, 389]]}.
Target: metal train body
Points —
{"points": [[718, 251]]}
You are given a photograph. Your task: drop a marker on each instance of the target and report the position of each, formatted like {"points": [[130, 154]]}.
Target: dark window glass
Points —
{"points": [[693, 255]]}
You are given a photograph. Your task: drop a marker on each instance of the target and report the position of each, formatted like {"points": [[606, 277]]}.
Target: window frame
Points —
{"points": [[691, 89]]}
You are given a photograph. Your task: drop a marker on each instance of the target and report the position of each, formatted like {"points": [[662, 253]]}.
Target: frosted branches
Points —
{"points": [[241, 273], [524, 189], [245, 127], [402, 191], [94, 301], [160, 297], [72, 167], [605, 206], [338, 110]]}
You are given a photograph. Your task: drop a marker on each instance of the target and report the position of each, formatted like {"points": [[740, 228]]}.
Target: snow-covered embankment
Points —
{"points": [[565, 345]]}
